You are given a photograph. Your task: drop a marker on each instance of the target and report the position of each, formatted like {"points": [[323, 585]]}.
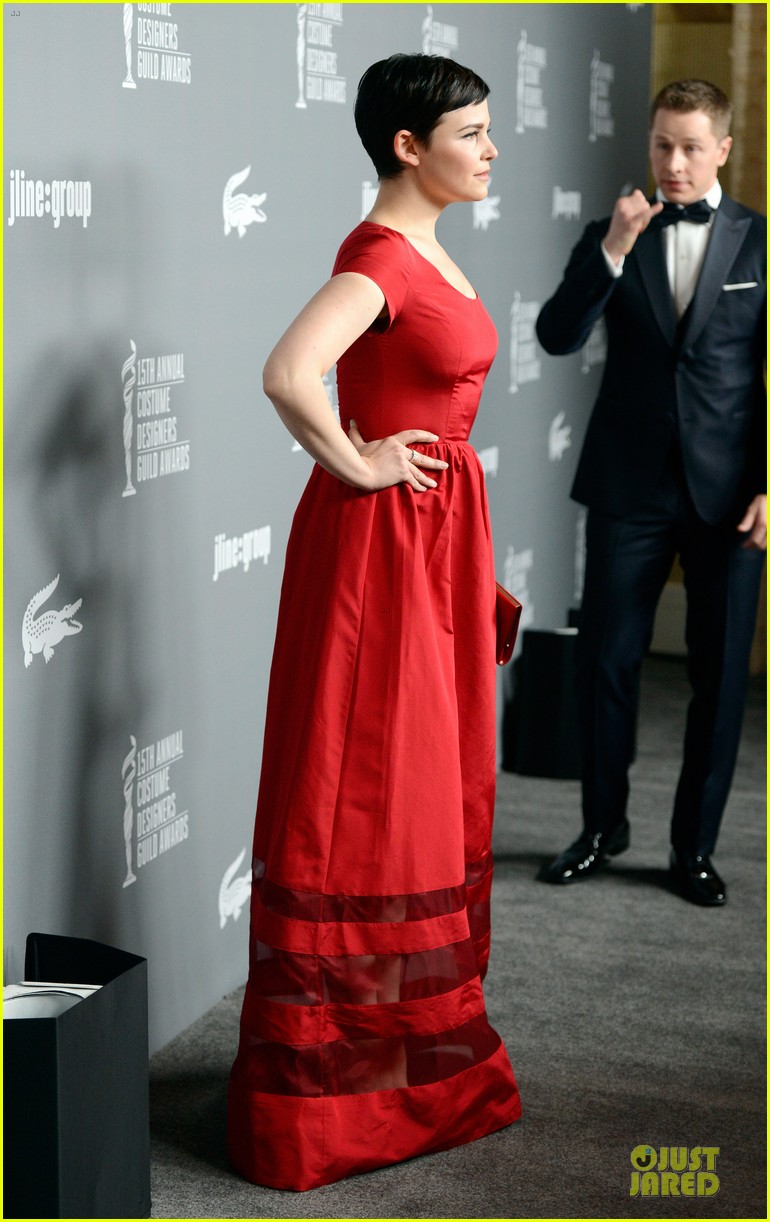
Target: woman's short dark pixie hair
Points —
{"points": [[411, 93]]}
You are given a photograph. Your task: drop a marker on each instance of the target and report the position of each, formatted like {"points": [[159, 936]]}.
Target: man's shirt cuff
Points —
{"points": [[615, 269]]}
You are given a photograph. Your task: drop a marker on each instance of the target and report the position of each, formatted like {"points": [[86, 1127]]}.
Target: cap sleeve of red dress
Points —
{"points": [[384, 256]]}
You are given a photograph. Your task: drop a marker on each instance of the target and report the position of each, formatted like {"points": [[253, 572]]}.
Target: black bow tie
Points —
{"points": [[700, 213]]}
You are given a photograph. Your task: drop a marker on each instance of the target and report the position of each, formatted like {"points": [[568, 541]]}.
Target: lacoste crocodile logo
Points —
{"points": [[234, 892], [41, 634], [486, 210], [241, 210], [558, 437]]}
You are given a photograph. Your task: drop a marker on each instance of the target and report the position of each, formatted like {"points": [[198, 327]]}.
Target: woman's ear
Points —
{"points": [[406, 147]]}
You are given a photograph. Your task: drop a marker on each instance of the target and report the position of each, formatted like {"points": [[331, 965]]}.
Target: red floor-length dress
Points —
{"points": [[364, 1037]]}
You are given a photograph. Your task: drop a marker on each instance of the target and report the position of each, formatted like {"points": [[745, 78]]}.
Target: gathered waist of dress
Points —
{"points": [[446, 443], [429, 447], [453, 451]]}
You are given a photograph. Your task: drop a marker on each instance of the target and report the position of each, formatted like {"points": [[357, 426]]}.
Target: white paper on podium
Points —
{"points": [[42, 998]]}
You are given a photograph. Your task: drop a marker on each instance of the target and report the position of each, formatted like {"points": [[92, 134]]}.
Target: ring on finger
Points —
{"points": [[414, 456]]}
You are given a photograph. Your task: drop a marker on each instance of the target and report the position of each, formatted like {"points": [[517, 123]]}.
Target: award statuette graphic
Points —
{"points": [[521, 70], [128, 376], [300, 103], [514, 357], [426, 30], [128, 772], [128, 26], [593, 97]]}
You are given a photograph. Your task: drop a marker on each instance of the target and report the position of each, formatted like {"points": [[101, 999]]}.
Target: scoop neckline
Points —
{"points": [[453, 287]]}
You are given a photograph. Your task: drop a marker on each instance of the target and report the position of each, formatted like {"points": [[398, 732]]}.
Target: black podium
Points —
{"points": [[77, 1140]]}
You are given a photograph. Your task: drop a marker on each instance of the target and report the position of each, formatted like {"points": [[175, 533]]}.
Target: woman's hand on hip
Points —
{"points": [[393, 461]]}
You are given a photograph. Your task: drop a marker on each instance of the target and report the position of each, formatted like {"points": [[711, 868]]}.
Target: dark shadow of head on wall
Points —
{"points": [[79, 689]]}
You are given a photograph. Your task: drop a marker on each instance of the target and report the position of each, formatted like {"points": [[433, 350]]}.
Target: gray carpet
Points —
{"points": [[631, 1017]]}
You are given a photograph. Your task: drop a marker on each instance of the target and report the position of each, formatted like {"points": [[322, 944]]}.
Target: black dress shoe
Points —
{"points": [[587, 854], [697, 880]]}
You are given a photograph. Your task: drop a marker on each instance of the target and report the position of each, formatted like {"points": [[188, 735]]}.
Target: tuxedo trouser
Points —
{"points": [[627, 564]]}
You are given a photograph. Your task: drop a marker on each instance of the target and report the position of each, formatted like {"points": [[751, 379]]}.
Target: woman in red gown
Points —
{"points": [[364, 1036]]}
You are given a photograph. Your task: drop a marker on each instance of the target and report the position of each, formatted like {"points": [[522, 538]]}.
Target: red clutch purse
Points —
{"points": [[508, 616]]}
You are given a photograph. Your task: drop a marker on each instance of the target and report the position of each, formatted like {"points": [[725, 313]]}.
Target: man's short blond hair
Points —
{"points": [[693, 94]]}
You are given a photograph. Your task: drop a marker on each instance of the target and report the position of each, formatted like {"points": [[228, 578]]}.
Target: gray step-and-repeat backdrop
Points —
{"points": [[178, 179]]}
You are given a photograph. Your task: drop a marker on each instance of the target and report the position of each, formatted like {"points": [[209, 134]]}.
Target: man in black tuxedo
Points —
{"points": [[673, 463]]}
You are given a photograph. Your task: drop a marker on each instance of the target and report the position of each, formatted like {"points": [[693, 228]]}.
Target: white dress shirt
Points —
{"points": [[685, 246]]}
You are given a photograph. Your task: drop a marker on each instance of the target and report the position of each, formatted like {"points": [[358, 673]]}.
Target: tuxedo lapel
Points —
{"points": [[727, 236], [651, 261]]}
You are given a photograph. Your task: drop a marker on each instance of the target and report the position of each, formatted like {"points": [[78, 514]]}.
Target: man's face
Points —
{"points": [[685, 154]]}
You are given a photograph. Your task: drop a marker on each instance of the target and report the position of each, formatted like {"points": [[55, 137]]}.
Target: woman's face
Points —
{"points": [[455, 166]]}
